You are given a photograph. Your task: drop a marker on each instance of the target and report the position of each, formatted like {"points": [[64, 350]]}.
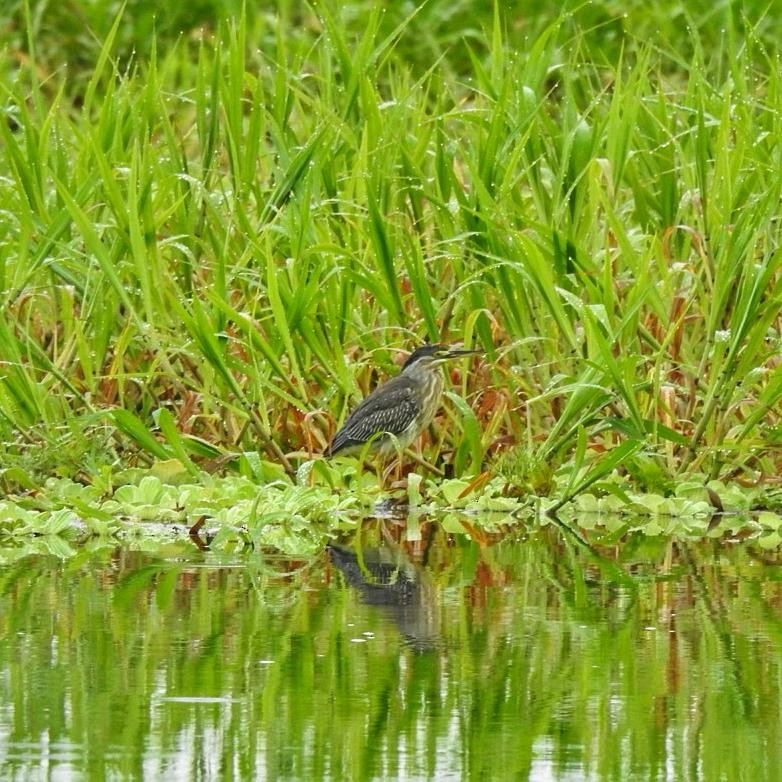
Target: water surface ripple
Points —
{"points": [[444, 657]]}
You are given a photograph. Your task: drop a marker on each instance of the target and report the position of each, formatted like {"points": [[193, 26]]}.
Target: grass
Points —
{"points": [[213, 244]]}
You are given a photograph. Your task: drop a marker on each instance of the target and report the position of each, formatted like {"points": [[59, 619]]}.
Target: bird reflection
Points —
{"points": [[387, 579]]}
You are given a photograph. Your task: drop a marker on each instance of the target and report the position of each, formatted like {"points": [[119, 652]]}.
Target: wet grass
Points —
{"points": [[212, 244]]}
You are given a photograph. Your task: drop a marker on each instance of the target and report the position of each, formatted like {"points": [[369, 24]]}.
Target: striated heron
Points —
{"points": [[402, 406]]}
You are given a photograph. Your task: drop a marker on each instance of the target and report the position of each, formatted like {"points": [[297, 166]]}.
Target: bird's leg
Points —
{"points": [[384, 474], [393, 467], [379, 469], [421, 462]]}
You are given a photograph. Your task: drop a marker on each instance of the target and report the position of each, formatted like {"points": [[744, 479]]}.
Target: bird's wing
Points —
{"points": [[389, 408]]}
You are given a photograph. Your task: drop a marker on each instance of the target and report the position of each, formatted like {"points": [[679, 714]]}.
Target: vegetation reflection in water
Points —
{"points": [[532, 656]]}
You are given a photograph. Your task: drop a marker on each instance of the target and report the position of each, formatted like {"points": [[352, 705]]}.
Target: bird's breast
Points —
{"points": [[433, 390]]}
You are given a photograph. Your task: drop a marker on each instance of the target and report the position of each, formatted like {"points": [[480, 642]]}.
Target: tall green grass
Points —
{"points": [[219, 244]]}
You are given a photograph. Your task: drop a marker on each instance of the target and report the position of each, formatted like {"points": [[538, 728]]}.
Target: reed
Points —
{"points": [[213, 243]]}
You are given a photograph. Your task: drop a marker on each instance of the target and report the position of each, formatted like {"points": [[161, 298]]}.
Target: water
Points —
{"points": [[446, 657]]}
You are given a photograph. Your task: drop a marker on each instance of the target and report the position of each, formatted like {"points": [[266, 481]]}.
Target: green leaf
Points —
{"points": [[132, 426]]}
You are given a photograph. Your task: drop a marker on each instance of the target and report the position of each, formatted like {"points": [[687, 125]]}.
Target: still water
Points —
{"points": [[445, 656]]}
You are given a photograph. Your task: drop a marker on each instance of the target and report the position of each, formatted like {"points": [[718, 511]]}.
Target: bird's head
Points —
{"points": [[428, 356]]}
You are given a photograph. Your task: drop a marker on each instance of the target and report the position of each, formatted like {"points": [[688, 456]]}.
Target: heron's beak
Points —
{"points": [[457, 352]]}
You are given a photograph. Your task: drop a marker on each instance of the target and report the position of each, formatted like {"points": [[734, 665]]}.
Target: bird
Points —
{"points": [[397, 411]]}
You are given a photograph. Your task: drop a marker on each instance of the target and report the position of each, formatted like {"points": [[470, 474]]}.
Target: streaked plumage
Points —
{"points": [[403, 406]]}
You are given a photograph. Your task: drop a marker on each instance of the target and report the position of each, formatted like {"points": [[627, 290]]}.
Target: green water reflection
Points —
{"points": [[449, 656]]}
